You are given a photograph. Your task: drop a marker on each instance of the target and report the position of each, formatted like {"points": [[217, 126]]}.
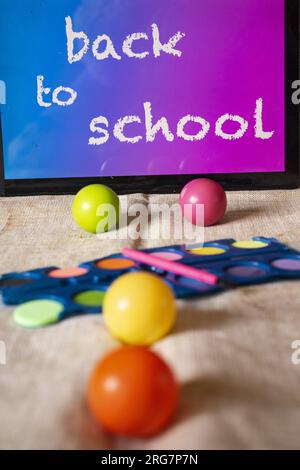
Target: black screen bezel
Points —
{"points": [[173, 183]]}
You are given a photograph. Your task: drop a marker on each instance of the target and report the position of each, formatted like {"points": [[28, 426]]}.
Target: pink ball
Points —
{"points": [[210, 194]]}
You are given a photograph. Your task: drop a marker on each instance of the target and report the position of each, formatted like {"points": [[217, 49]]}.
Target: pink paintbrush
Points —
{"points": [[172, 266]]}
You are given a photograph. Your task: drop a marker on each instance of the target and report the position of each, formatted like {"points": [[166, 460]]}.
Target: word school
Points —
{"points": [[100, 127]]}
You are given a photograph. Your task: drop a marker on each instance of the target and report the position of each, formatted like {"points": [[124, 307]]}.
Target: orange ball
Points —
{"points": [[133, 392]]}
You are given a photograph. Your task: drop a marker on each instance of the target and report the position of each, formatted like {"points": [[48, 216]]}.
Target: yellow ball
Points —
{"points": [[139, 308]]}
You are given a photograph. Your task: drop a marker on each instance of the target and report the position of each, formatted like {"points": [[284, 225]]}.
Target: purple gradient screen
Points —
{"points": [[232, 56]]}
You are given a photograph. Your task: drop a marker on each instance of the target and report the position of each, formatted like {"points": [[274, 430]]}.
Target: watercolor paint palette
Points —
{"points": [[48, 295]]}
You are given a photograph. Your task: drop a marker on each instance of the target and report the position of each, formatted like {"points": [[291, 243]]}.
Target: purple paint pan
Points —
{"points": [[246, 271], [287, 264]]}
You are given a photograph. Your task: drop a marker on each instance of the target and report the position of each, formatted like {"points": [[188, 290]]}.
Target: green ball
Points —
{"points": [[96, 208]]}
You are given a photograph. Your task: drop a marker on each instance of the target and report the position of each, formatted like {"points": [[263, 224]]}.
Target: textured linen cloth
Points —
{"points": [[231, 352]]}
